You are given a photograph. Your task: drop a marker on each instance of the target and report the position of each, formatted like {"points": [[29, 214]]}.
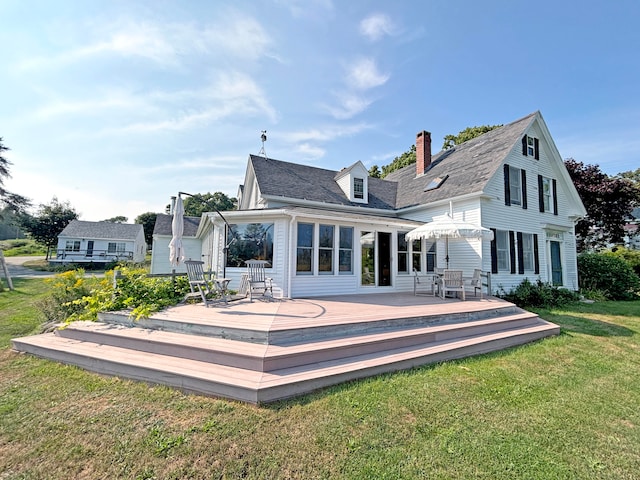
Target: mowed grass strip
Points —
{"points": [[565, 407]]}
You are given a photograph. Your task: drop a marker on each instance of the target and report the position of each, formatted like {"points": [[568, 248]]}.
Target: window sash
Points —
{"points": [[527, 252], [358, 187], [403, 253], [546, 193], [515, 189], [502, 250], [416, 255], [325, 252], [345, 251], [304, 251]]}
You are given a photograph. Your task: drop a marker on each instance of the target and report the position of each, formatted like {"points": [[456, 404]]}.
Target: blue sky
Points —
{"points": [[116, 105]]}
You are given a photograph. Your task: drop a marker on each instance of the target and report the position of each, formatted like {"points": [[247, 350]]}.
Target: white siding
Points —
{"points": [[160, 253]]}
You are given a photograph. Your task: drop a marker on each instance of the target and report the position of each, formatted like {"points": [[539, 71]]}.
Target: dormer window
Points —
{"points": [[358, 188]]}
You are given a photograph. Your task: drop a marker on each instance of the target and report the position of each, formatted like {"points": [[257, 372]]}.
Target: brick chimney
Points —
{"points": [[423, 152]]}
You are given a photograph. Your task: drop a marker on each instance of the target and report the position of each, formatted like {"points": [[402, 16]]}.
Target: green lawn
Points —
{"points": [[566, 407]]}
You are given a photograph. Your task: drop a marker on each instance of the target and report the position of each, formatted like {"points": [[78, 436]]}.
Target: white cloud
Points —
{"points": [[309, 152], [306, 8], [376, 25], [363, 74], [349, 105], [167, 45], [325, 134]]}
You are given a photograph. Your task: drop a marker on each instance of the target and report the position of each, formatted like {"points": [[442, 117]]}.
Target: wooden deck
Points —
{"points": [[266, 350]]}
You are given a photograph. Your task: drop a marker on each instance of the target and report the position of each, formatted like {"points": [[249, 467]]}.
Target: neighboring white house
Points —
{"points": [[325, 232], [162, 236], [100, 242]]}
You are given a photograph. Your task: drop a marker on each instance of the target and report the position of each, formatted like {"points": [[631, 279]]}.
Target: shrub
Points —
{"points": [[610, 274], [73, 297], [632, 257], [539, 294]]}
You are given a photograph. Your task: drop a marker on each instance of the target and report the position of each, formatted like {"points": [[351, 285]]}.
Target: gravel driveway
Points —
{"points": [[16, 270]]}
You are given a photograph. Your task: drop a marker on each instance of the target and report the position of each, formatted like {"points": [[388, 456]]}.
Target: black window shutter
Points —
{"points": [[535, 254], [524, 145], [494, 252], [507, 193], [555, 197], [524, 189], [540, 194], [520, 253], [512, 251], [536, 149]]}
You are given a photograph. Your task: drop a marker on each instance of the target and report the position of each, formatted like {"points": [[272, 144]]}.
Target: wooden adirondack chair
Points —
{"points": [[197, 280], [476, 282], [257, 279], [452, 282]]}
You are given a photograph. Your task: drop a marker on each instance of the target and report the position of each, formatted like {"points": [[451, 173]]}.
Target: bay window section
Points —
{"points": [[304, 252], [249, 241], [345, 255], [325, 245]]}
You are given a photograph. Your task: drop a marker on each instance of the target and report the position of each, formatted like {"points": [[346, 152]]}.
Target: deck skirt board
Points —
{"points": [[283, 349]]}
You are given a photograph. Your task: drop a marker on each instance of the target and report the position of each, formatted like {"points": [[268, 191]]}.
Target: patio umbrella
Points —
{"points": [[443, 226], [176, 251]]}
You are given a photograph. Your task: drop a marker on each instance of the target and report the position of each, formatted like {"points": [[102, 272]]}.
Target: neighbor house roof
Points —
{"points": [[101, 230], [467, 168], [163, 225]]}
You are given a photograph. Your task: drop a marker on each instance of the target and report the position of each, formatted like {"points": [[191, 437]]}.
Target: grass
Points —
{"points": [[565, 407], [21, 247]]}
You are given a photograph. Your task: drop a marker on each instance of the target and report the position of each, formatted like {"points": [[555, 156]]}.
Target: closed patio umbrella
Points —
{"points": [[176, 250], [443, 226]]}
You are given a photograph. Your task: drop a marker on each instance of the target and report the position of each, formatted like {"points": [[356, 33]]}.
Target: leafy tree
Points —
{"points": [[634, 176], [118, 219], [375, 172], [199, 203], [608, 201], [45, 226], [148, 222], [13, 201], [468, 133]]}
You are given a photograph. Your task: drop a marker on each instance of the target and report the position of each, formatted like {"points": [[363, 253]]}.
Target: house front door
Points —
{"points": [[384, 259], [90, 248], [556, 263]]}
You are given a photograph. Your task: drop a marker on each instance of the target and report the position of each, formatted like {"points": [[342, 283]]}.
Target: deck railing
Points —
{"points": [[92, 255]]}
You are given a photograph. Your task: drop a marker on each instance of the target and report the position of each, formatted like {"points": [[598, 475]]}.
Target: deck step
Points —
{"points": [[266, 358], [281, 379]]}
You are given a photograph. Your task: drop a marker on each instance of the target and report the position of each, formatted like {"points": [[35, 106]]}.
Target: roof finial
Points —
{"points": [[263, 137]]}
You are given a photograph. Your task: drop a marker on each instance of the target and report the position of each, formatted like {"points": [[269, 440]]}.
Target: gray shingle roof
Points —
{"points": [[101, 230], [469, 166], [163, 225], [292, 180]]}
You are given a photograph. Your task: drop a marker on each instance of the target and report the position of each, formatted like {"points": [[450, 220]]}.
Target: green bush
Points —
{"points": [[74, 297], [612, 275], [632, 257], [539, 294], [21, 247]]}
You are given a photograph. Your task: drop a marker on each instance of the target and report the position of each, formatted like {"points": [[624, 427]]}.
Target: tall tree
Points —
{"points": [[468, 133], [118, 219], [13, 201], [50, 219], [608, 201], [199, 203], [148, 222]]}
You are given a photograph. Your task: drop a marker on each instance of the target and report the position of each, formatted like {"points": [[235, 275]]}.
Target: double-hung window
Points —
{"points": [[502, 250], [515, 186], [325, 249], [416, 255], [358, 188], [116, 247], [345, 260], [531, 147], [403, 253], [72, 246], [304, 252], [527, 252], [548, 197]]}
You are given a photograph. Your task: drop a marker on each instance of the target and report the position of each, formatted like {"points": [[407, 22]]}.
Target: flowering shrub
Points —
{"points": [[74, 297]]}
